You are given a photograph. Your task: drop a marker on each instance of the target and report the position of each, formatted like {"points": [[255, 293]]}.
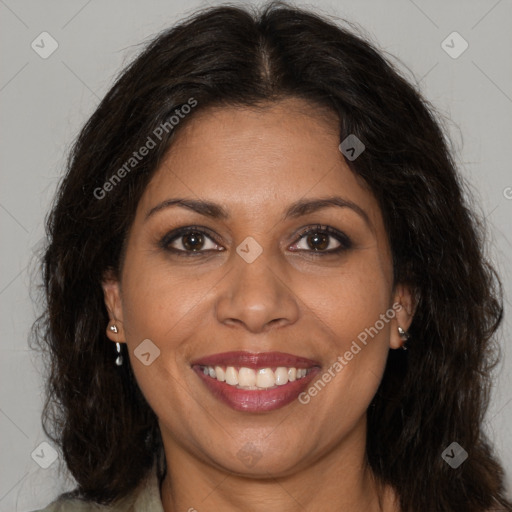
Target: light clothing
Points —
{"points": [[145, 498]]}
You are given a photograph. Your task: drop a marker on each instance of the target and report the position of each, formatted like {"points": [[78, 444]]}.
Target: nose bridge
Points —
{"points": [[255, 292]]}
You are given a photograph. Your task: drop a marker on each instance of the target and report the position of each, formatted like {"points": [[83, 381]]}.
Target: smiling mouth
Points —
{"points": [[255, 382]]}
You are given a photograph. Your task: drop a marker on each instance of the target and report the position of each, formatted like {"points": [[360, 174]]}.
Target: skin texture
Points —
{"points": [[255, 163]]}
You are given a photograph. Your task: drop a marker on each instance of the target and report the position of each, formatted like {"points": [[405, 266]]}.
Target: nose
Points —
{"points": [[257, 296]]}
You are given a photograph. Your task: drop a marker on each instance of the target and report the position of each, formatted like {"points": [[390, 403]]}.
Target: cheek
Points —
{"points": [[160, 306], [351, 309], [356, 354], [352, 299], [157, 300]]}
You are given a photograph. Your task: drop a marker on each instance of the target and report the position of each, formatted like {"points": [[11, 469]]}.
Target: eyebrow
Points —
{"points": [[295, 210]]}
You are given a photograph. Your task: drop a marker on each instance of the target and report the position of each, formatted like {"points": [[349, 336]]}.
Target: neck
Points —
{"points": [[338, 480]]}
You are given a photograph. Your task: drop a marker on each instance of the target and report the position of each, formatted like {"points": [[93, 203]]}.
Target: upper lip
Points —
{"points": [[255, 360]]}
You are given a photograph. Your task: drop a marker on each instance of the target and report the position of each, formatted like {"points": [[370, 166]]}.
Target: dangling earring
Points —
{"points": [[404, 335], [119, 360]]}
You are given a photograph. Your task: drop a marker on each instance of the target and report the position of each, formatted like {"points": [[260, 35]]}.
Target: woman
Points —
{"points": [[258, 219]]}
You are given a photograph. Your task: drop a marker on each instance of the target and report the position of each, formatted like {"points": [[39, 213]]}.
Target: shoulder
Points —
{"points": [[67, 505], [76, 505], [145, 498]]}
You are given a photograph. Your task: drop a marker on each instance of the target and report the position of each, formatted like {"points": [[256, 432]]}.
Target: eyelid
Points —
{"points": [[344, 241], [178, 233], [175, 234]]}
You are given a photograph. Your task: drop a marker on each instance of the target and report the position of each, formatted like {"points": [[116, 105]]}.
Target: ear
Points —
{"points": [[112, 296], [404, 305]]}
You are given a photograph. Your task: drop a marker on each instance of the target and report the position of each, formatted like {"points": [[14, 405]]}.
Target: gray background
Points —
{"points": [[44, 102]]}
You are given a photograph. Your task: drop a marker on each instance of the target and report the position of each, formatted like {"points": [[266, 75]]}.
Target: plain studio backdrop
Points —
{"points": [[48, 91]]}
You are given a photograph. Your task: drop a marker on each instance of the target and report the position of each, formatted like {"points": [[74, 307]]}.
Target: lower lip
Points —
{"points": [[256, 400]]}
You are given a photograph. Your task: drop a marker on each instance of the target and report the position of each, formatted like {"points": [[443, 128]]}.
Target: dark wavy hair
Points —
{"points": [[433, 394]]}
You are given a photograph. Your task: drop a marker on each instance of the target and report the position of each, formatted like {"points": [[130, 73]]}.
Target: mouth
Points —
{"points": [[252, 382]]}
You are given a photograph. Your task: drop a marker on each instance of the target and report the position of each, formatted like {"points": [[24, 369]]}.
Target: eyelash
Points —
{"points": [[344, 240]]}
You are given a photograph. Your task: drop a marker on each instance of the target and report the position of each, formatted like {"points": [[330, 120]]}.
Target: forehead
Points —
{"points": [[258, 160]]}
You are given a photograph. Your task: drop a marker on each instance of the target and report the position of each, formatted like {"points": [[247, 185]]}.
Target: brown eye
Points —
{"points": [[318, 241], [189, 240], [322, 240], [192, 241]]}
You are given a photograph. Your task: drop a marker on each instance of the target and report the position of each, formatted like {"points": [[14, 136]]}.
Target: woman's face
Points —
{"points": [[253, 280]]}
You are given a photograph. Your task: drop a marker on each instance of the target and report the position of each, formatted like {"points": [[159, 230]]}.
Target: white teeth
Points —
{"points": [[281, 375], [231, 376], [248, 378], [220, 373], [265, 378]]}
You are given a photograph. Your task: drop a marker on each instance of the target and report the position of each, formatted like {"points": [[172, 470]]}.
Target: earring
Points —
{"points": [[404, 335], [119, 360]]}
